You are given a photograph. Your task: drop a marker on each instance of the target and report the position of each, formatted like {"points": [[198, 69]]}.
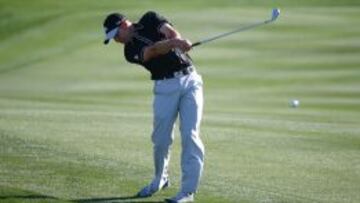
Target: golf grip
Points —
{"points": [[196, 44]]}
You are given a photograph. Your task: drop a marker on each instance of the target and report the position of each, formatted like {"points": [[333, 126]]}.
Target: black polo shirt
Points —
{"points": [[147, 33]]}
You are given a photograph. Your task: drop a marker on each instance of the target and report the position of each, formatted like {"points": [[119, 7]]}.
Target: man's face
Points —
{"points": [[123, 34]]}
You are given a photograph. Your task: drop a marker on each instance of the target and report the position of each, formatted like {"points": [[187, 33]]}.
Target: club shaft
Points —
{"points": [[232, 32]]}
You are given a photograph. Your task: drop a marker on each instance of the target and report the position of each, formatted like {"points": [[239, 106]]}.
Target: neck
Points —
{"points": [[131, 31]]}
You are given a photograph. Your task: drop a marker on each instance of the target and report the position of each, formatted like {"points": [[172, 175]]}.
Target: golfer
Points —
{"points": [[156, 45]]}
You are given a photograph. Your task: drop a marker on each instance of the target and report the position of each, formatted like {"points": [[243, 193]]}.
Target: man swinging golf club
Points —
{"points": [[156, 45]]}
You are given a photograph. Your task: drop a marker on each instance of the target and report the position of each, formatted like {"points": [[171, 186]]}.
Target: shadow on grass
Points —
{"points": [[129, 199], [30, 197]]}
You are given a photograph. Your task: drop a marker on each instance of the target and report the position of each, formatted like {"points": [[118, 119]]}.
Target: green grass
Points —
{"points": [[75, 118]]}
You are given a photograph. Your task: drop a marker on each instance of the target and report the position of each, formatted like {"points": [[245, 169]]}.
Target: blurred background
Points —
{"points": [[76, 118]]}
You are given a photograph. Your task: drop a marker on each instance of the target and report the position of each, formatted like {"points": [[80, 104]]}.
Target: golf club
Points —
{"points": [[274, 15]]}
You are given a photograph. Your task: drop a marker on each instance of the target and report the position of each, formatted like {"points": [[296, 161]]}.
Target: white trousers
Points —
{"points": [[181, 96]]}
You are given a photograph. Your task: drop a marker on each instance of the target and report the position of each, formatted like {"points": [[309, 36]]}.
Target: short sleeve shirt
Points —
{"points": [[147, 33]]}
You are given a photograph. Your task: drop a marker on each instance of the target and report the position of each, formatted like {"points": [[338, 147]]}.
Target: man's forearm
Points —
{"points": [[163, 47], [160, 48]]}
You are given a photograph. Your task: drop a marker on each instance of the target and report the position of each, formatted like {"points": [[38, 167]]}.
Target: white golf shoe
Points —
{"points": [[148, 190], [181, 198]]}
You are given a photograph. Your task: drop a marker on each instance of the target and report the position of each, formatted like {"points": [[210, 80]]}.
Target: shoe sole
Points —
{"points": [[172, 201]]}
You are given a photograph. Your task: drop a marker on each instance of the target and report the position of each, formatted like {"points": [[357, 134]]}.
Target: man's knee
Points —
{"points": [[191, 140]]}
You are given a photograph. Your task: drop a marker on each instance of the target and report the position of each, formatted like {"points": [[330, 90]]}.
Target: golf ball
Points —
{"points": [[294, 103]]}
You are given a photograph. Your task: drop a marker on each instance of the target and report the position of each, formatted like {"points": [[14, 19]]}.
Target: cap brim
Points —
{"points": [[110, 35]]}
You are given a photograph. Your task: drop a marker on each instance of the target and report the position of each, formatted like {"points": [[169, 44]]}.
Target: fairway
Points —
{"points": [[76, 118]]}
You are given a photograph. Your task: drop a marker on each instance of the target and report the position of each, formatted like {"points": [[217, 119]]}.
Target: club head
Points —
{"points": [[275, 14]]}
